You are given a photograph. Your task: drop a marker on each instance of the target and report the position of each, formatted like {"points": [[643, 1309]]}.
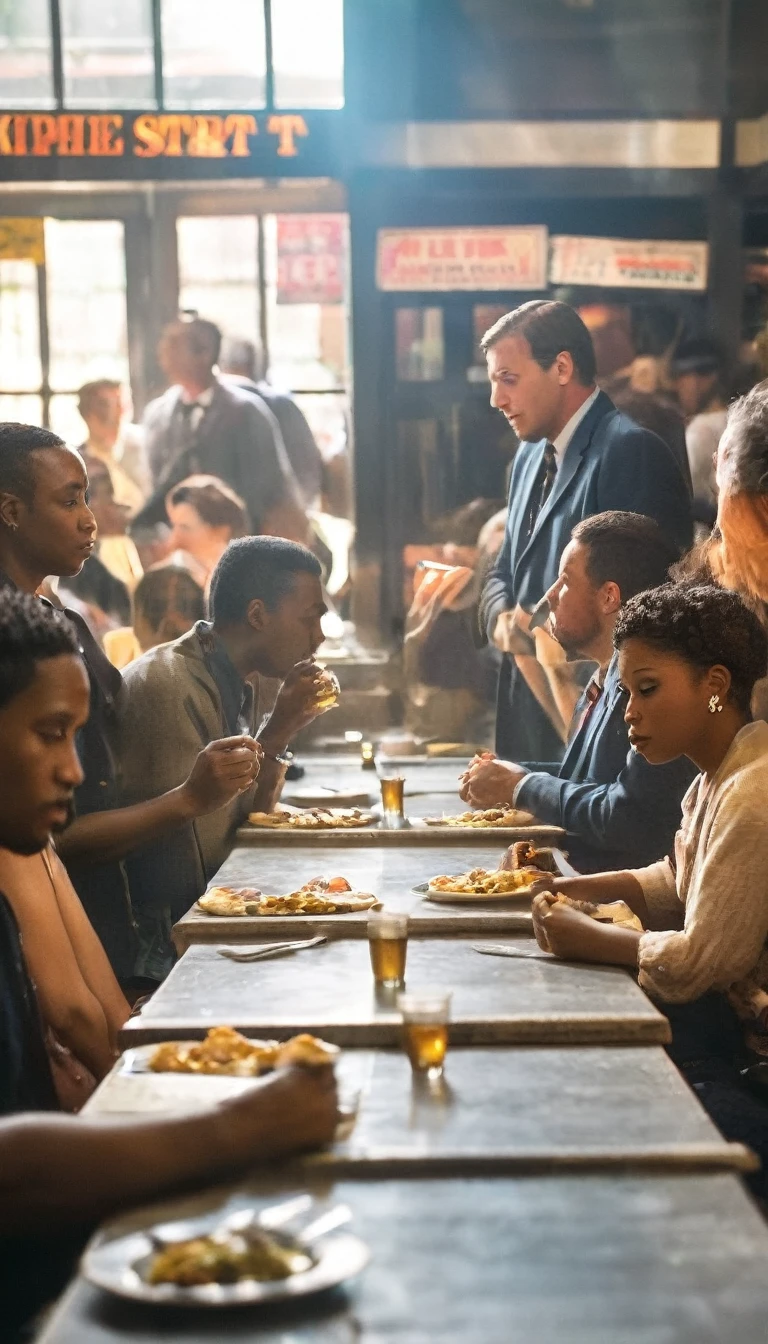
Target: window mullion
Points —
{"points": [[57, 64], [269, 94], [157, 41]]}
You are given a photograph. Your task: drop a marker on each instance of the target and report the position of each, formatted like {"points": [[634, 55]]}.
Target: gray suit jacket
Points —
{"points": [[237, 439]]}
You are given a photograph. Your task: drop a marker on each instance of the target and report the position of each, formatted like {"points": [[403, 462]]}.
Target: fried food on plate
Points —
{"points": [[227, 1257], [225, 1051], [489, 816], [313, 819], [481, 882], [319, 896]]}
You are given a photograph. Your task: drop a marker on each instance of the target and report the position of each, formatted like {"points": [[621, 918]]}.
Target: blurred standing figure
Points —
{"points": [[242, 365], [697, 373], [578, 455], [105, 408], [205, 515], [202, 424]]}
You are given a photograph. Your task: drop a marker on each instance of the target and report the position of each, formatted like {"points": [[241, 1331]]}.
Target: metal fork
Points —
{"points": [[269, 950]]}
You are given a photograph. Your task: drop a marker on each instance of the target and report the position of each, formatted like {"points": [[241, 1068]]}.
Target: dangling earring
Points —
{"points": [[714, 705], [13, 526]]}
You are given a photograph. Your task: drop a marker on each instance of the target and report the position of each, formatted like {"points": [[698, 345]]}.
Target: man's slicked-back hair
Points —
{"points": [[549, 328], [203, 337], [257, 567], [627, 549], [30, 631], [17, 445]]}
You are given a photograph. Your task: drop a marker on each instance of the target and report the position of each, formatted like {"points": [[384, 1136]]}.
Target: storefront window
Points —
{"points": [[107, 53], [214, 54], [308, 53], [87, 330], [20, 365], [26, 67], [218, 271], [419, 348]]}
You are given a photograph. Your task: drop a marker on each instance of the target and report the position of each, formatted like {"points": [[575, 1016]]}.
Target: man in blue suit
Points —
{"points": [[621, 811], [578, 456]]}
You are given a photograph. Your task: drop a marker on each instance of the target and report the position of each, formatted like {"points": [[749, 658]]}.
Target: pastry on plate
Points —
{"points": [[481, 882], [613, 912], [485, 817], [226, 1051]]}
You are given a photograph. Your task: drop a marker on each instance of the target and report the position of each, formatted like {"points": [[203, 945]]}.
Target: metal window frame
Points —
{"points": [[57, 55]]}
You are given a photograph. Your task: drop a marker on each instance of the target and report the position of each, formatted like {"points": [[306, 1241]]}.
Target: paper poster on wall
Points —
{"points": [[628, 263], [462, 259], [311, 258], [22, 240]]}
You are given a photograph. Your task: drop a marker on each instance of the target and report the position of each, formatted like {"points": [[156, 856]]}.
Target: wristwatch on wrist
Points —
{"points": [[280, 757]]}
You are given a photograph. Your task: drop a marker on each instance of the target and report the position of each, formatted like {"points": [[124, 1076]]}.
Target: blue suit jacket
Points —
{"points": [[610, 463], [621, 811]]}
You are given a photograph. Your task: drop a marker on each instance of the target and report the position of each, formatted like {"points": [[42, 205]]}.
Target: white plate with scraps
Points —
{"points": [[118, 1257], [442, 897]]}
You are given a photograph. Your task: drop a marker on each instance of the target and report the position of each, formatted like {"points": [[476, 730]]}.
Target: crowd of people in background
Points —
{"points": [[161, 601]]}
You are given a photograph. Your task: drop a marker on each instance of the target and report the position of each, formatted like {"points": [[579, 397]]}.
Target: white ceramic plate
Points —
{"points": [[440, 897], [117, 1258]]}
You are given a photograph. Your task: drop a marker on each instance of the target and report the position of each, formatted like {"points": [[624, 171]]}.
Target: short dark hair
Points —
{"points": [[627, 549], [549, 328], [17, 444], [698, 354], [168, 590], [241, 356], [216, 503], [704, 626], [30, 631], [204, 337], [263, 567], [744, 461]]}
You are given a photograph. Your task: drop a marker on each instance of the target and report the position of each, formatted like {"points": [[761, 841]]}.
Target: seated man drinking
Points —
{"points": [[617, 809], [265, 603]]}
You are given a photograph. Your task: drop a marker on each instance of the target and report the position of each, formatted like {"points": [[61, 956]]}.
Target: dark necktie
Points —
{"points": [[543, 486], [592, 694]]}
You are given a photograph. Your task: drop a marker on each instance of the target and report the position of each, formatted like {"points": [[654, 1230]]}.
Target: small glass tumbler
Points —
{"points": [[426, 1014], [388, 946], [328, 690]]}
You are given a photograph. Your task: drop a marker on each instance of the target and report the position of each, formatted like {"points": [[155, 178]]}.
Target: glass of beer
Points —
{"points": [[392, 794], [425, 1015], [328, 690], [388, 944]]}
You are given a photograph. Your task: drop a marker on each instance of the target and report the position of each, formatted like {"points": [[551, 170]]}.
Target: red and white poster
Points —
{"points": [[311, 258], [471, 259], [628, 263]]}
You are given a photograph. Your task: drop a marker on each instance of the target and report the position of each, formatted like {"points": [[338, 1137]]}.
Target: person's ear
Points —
{"points": [[256, 614], [718, 684], [609, 598], [564, 367], [10, 509]]}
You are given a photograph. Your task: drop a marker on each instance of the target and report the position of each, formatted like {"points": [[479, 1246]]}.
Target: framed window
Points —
{"points": [[63, 324], [174, 54]]}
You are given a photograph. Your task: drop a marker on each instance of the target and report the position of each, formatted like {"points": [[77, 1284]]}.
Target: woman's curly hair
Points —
{"points": [[704, 626]]}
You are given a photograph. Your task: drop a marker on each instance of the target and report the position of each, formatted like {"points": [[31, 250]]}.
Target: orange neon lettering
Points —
{"points": [[72, 134], [5, 140], [171, 128], [151, 142], [240, 127], [45, 133], [207, 138], [287, 126], [20, 133]]}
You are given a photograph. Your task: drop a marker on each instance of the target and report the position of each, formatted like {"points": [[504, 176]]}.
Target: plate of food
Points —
{"points": [[224, 1052], [319, 896], [613, 912], [485, 818], [312, 819], [214, 1260], [480, 885]]}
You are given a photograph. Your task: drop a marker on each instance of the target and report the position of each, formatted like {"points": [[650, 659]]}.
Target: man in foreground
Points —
{"points": [[265, 604], [578, 456], [59, 1175], [620, 811]]}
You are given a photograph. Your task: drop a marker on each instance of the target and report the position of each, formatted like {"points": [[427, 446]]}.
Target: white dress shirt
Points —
{"points": [[200, 403], [560, 444]]}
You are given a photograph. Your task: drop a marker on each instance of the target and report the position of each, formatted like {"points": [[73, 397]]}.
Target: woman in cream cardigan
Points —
{"points": [[689, 657]]}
